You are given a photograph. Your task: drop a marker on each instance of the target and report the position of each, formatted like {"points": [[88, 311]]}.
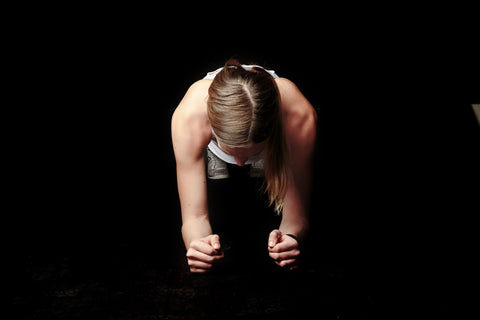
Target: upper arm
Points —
{"points": [[190, 135], [300, 125]]}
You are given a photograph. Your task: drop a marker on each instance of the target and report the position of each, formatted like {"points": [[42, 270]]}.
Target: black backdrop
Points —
{"points": [[95, 172]]}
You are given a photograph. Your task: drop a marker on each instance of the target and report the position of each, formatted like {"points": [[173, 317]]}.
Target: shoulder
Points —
{"points": [[292, 100], [190, 126], [193, 106], [196, 93], [300, 117], [287, 88]]}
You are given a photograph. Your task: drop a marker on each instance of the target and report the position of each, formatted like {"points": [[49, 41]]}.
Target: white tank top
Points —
{"points": [[247, 67], [213, 146]]}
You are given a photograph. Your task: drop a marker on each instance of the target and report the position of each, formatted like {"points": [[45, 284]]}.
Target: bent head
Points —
{"points": [[244, 113], [243, 106]]}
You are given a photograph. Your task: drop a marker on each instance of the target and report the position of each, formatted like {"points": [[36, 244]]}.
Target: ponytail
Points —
{"points": [[276, 177]]}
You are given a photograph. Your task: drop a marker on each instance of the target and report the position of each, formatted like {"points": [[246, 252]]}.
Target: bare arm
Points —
{"points": [[192, 192], [300, 125], [300, 121], [190, 135]]}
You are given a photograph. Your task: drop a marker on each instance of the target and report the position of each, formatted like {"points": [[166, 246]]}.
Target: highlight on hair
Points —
{"points": [[244, 108]]}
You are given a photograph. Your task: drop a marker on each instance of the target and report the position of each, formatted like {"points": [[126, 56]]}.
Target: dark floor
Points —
{"points": [[128, 285], [120, 269]]}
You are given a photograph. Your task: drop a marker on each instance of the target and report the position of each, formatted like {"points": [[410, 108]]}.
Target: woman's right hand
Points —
{"points": [[204, 253]]}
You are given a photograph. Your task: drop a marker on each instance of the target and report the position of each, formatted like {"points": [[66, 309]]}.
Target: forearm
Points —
{"points": [[195, 228], [295, 211]]}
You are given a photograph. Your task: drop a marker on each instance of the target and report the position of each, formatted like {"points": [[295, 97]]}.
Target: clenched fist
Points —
{"points": [[283, 249], [204, 253]]}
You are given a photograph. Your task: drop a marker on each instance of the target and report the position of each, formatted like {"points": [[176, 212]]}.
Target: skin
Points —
{"points": [[191, 133]]}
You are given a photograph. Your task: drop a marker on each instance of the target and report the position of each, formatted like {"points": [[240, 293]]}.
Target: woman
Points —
{"points": [[244, 114]]}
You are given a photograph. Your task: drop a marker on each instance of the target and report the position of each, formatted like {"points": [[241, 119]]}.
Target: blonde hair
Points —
{"points": [[244, 108]]}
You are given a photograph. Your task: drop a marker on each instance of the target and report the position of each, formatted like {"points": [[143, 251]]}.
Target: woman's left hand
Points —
{"points": [[283, 249]]}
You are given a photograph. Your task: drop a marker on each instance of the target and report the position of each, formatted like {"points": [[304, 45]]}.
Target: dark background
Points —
{"points": [[396, 169]]}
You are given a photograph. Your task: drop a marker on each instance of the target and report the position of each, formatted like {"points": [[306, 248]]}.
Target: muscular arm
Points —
{"points": [[190, 135], [300, 125]]}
